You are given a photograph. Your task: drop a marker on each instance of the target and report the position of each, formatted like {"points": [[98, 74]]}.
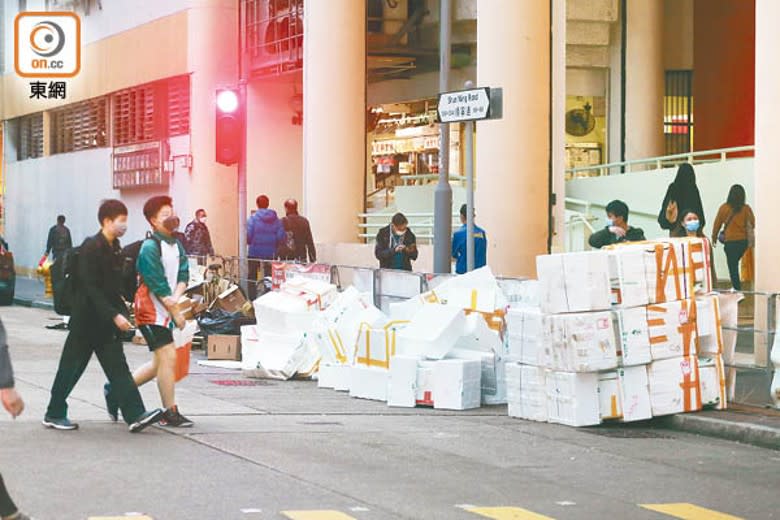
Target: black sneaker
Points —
{"points": [[174, 419], [60, 424], [147, 419], [111, 405], [20, 516]]}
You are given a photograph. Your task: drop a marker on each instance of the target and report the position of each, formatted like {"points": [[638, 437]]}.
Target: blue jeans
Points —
{"points": [[734, 251]]}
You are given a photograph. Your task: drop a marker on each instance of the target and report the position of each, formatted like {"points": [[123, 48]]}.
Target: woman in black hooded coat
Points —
{"points": [[681, 194]]}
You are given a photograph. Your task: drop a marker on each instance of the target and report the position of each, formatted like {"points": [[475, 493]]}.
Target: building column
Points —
{"points": [[334, 110], [767, 181], [513, 153], [644, 79]]}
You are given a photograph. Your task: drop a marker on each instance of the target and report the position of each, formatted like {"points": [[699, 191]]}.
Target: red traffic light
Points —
{"points": [[228, 126]]}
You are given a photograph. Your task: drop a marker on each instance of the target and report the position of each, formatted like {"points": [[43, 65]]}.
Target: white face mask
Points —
{"points": [[203, 220], [610, 222], [120, 229]]}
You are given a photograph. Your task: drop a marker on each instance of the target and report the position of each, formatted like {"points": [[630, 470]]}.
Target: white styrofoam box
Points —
{"points": [[425, 384], [344, 317], [457, 384], [583, 342], [628, 278], [493, 379], [279, 356], [283, 313], [368, 383], [334, 376], [402, 381], [712, 374], [634, 393], [609, 396], [521, 293], [478, 336], [526, 391], [316, 293], [481, 300], [674, 385], [528, 337], [696, 258], [573, 398], [250, 347], [458, 291], [375, 347], [574, 282], [708, 325], [672, 328], [433, 332], [406, 309], [633, 336]]}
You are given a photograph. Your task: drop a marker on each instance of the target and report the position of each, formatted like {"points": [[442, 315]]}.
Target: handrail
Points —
{"points": [[589, 205], [658, 162]]}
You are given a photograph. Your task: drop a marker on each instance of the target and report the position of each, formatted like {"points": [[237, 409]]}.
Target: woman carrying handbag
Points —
{"points": [[734, 228]]}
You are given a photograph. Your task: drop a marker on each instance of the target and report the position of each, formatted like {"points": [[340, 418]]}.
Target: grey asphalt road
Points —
{"points": [[290, 450]]}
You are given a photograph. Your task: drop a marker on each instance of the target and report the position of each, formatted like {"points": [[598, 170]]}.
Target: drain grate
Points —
{"points": [[241, 382], [627, 433]]}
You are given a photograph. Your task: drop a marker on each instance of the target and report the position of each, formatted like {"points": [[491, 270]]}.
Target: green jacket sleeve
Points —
{"points": [[150, 267], [184, 266]]}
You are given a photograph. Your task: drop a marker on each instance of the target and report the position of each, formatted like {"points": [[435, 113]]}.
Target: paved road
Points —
{"points": [[289, 450]]}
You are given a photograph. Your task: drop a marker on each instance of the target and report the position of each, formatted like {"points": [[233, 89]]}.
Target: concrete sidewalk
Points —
{"points": [[745, 424], [30, 292]]}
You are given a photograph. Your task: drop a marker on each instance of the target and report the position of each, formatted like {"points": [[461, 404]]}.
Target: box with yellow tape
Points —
{"points": [[376, 346]]}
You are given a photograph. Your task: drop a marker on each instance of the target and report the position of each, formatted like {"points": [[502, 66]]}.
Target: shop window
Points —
{"points": [[30, 137], [80, 126], [678, 111], [151, 112]]}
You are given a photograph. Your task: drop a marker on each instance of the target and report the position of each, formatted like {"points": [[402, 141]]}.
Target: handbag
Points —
{"points": [[751, 234], [672, 212], [722, 234]]}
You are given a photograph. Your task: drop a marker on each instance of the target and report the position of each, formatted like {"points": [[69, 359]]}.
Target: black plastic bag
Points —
{"points": [[218, 321]]}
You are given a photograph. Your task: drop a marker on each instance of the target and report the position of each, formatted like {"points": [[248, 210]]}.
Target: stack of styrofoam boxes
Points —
{"points": [[712, 373], [277, 347]]}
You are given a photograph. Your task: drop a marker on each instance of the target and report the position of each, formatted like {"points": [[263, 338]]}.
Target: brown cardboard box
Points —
{"points": [[190, 308], [232, 300], [223, 347]]}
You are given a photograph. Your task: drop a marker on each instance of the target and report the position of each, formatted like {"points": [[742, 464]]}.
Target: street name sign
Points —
{"points": [[464, 105]]}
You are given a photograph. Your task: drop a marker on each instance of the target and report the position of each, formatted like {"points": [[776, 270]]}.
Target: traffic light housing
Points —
{"points": [[229, 125]]}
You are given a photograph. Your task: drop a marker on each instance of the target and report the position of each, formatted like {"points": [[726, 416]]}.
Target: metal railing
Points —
{"points": [[658, 163], [420, 223]]}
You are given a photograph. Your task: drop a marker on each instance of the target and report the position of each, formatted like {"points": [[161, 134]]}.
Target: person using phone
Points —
{"points": [[396, 245]]}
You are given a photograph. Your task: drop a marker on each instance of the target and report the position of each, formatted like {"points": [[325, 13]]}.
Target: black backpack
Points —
{"points": [[64, 277], [130, 252]]}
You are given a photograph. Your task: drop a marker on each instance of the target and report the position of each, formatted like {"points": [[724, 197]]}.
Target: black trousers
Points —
{"points": [[735, 250], [74, 360], [7, 506]]}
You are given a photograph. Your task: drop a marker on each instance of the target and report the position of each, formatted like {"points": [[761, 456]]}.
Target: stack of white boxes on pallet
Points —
{"points": [[615, 336]]}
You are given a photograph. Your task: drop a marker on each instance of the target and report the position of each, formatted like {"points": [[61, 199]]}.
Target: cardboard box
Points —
{"points": [[672, 328], [368, 383], [674, 385], [433, 332], [457, 383], [573, 398], [526, 391], [708, 325], [713, 382], [223, 347], [574, 282], [402, 382], [583, 342], [633, 336], [232, 300]]}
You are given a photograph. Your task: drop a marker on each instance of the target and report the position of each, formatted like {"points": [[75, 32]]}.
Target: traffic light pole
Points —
{"points": [[242, 198]]}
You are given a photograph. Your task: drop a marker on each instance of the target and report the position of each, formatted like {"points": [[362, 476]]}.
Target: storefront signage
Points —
{"points": [[464, 105]]}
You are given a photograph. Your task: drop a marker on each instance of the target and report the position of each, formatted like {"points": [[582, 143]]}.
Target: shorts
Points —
{"points": [[156, 336]]}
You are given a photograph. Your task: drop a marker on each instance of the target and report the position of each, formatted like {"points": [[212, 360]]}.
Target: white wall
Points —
{"points": [[644, 193]]}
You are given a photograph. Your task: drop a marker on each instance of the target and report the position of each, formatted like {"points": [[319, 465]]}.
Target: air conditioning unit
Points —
{"points": [[274, 35]]}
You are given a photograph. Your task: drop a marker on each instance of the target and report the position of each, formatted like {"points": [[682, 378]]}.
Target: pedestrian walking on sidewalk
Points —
{"points": [[198, 237], [299, 242], [734, 228], [681, 194], [265, 236], [163, 271], [396, 245], [59, 239], [98, 318], [13, 404], [617, 229]]}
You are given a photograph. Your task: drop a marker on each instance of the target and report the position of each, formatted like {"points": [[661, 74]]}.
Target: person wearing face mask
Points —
{"points": [[617, 229], [163, 271], [396, 245], [197, 237], [691, 223], [99, 316]]}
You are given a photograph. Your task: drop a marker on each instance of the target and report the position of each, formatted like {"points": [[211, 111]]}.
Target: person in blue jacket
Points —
{"points": [[264, 234], [459, 245]]}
